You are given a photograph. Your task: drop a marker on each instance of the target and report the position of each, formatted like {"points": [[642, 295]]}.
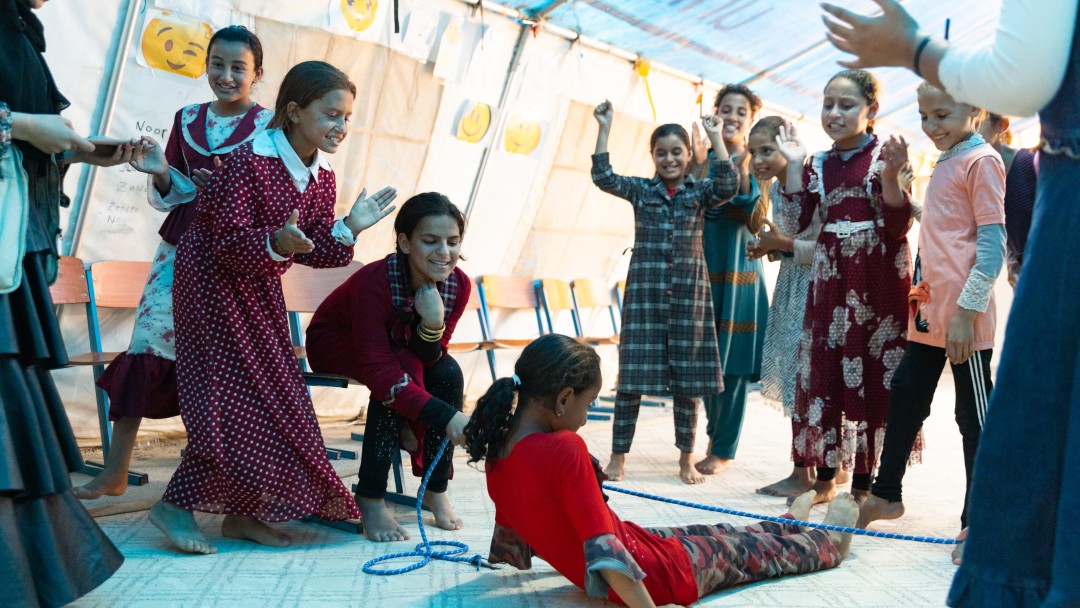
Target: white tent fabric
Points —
{"points": [[532, 212]]}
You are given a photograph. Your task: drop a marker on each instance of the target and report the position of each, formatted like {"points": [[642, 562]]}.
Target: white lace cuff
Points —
{"points": [[342, 233], [181, 192], [976, 293]]}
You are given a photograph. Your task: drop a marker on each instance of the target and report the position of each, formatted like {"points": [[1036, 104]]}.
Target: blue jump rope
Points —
{"points": [[425, 552]]}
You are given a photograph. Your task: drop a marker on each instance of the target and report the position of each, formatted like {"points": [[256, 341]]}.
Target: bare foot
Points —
{"points": [[102, 486], [379, 525], [711, 465], [615, 468], [180, 528], [843, 511], [958, 550], [687, 472], [445, 518], [800, 507], [793, 485], [843, 476], [876, 508], [248, 528], [860, 496], [824, 491]]}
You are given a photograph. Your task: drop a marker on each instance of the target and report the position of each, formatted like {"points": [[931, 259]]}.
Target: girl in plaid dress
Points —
{"points": [[668, 335]]}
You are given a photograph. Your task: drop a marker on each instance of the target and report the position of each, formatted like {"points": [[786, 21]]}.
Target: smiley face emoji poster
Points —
{"points": [[521, 134], [359, 14], [174, 43], [474, 120]]}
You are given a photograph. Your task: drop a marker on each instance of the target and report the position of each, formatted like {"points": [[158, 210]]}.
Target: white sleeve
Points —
{"points": [[1020, 70], [181, 192]]}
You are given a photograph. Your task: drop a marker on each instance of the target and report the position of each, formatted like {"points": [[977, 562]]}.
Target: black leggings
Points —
{"points": [[382, 433]]}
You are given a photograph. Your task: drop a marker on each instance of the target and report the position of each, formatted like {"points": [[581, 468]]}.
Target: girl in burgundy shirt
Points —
{"points": [[549, 502]]}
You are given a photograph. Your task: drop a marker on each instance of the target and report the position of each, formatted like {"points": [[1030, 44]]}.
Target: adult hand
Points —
{"points": [[201, 177], [888, 39], [366, 212], [429, 306], [960, 336], [455, 430], [603, 114], [50, 133], [290, 239]]}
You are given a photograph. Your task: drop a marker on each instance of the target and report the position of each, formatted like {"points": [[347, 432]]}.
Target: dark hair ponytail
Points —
{"points": [[491, 421], [548, 365]]}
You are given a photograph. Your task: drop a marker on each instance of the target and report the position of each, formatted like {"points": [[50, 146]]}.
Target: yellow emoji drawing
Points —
{"points": [[176, 43], [475, 120], [359, 14], [521, 135]]}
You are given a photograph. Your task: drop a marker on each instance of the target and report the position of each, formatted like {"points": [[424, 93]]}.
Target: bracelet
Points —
{"points": [[791, 245], [918, 54], [430, 335]]}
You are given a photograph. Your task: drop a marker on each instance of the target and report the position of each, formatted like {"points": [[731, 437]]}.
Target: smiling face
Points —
{"points": [[433, 248], [671, 158], [231, 71], [944, 120], [735, 112], [176, 44], [845, 113], [321, 125], [765, 159]]}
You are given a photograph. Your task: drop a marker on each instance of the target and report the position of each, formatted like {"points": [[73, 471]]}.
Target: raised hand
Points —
{"points": [[698, 145], [888, 39], [290, 239], [366, 212], [895, 155], [712, 124], [429, 306], [789, 146], [201, 177], [907, 176], [604, 113]]}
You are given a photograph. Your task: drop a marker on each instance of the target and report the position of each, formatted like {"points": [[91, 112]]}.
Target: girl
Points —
{"points": [[1021, 177], [740, 303], [52, 551], [549, 502], [854, 329], [141, 382], [255, 453], [668, 335], [778, 367], [388, 326]]}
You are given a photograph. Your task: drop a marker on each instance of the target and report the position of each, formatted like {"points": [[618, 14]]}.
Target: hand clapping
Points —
{"points": [[290, 239], [366, 212]]}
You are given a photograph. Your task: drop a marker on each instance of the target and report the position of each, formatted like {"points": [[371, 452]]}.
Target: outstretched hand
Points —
{"points": [[150, 157], [367, 211], [50, 133], [604, 114], [895, 155], [888, 39], [789, 146], [290, 239]]}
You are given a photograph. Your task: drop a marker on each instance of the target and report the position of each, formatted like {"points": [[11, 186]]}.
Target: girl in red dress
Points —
{"points": [[141, 382], [389, 326], [855, 327], [255, 453], [549, 502]]}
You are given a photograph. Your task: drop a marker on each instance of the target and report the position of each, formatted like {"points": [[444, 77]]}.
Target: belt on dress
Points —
{"points": [[843, 229]]}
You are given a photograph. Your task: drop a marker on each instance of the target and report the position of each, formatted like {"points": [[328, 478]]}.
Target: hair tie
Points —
{"points": [[516, 379]]}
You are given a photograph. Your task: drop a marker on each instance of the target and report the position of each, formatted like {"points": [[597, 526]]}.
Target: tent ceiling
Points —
{"points": [[776, 46]]}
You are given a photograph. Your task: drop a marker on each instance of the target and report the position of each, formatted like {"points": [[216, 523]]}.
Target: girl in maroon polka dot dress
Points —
{"points": [[255, 453]]}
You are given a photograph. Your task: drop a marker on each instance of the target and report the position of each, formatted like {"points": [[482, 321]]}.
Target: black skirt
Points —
{"points": [[52, 551]]}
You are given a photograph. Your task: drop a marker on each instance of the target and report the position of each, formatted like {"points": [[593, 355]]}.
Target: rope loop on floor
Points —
{"points": [[424, 549], [785, 520]]}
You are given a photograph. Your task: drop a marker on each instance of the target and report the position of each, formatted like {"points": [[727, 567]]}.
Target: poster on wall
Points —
{"points": [[421, 26], [361, 19], [522, 134], [175, 43], [473, 122]]}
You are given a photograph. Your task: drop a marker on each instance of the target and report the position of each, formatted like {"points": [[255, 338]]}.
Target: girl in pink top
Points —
{"points": [[961, 249]]}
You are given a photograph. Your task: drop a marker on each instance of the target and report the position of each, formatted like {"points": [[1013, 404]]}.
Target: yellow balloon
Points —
{"points": [[521, 135], [178, 44], [359, 14], [475, 121]]}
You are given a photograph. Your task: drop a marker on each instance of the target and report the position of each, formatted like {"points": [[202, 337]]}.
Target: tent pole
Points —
{"points": [[101, 126]]}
